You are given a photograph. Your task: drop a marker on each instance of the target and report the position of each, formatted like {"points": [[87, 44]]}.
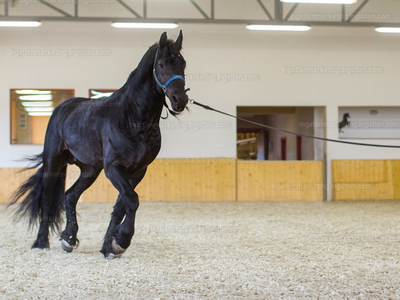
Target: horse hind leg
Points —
{"points": [[86, 179]]}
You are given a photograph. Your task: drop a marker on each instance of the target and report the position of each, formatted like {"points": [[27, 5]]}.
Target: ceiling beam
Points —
{"points": [[6, 7], [357, 11], [265, 10], [129, 9], [278, 10], [198, 21], [55, 8], [199, 9], [343, 16], [291, 11]]}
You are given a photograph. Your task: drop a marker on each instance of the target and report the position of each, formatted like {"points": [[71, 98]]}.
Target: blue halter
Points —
{"points": [[164, 86]]}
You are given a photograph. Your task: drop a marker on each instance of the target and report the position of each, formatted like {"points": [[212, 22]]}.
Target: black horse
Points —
{"points": [[345, 122], [120, 134]]}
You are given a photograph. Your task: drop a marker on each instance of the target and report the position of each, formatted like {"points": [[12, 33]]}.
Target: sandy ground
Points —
{"points": [[216, 250]]}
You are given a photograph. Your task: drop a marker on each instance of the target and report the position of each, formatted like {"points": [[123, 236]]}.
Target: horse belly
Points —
{"points": [[85, 152]]}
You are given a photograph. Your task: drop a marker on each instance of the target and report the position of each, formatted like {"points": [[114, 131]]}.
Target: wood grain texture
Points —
{"points": [[11, 178], [365, 179], [229, 179], [360, 171], [175, 180], [189, 180], [396, 178], [279, 180]]}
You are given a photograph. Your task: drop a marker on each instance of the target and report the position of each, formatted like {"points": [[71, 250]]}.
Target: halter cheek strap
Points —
{"points": [[165, 85]]}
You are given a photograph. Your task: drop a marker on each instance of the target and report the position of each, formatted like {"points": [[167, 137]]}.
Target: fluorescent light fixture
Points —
{"points": [[36, 97], [40, 114], [37, 104], [279, 27], [388, 29], [19, 24], [145, 25], [98, 95], [32, 92], [321, 1], [39, 109]]}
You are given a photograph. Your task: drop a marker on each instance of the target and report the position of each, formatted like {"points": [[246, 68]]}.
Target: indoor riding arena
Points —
{"points": [[200, 149]]}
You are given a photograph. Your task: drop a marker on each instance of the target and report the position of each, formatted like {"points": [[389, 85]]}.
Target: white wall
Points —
{"points": [[212, 50]]}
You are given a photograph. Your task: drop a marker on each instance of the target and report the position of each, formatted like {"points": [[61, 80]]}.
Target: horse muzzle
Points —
{"points": [[178, 101]]}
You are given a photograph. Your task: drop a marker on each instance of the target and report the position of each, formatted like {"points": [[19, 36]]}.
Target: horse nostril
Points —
{"points": [[174, 99]]}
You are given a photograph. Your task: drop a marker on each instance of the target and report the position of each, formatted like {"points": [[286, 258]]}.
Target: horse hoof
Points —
{"points": [[66, 246], [111, 256], [117, 248], [40, 245]]}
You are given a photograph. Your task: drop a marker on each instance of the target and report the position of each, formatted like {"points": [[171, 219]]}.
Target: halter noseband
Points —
{"points": [[164, 86]]}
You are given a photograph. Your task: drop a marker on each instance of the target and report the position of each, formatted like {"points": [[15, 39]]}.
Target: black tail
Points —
{"points": [[31, 205]]}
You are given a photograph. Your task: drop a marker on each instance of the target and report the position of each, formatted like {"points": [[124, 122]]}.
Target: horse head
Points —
{"points": [[169, 71]]}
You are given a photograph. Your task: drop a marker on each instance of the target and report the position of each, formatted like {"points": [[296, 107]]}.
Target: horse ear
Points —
{"points": [[178, 42], [163, 39]]}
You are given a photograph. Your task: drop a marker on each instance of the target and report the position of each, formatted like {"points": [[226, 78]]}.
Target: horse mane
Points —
{"points": [[137, 74], [127, 96]]}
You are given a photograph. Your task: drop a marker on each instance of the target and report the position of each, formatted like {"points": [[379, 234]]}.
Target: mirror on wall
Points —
{"points": [[100, 93], [30, 111]]}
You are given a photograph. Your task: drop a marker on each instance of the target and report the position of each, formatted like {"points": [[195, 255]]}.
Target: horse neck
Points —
{"points": [[141, 98]]}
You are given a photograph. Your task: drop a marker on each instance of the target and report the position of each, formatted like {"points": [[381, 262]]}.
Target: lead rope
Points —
{"points": [[287, 131]]}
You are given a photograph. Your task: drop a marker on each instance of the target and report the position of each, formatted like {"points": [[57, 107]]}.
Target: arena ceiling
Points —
{"points": [[364, 13]]}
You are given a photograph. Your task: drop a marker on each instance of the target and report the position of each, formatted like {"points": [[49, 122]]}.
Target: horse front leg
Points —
{"points": [[117, 216], [119, 235]]}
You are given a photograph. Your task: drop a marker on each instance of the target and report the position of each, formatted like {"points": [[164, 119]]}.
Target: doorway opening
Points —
{"points": [[254, 143]]}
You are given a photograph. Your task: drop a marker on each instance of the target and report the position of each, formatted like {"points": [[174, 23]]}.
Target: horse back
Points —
{"points": [[78, 125]]}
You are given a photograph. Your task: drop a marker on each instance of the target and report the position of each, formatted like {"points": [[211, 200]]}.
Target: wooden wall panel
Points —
{"points": [[228, 179], [11, 178], [279, 180], [365, 179], [166, 179], [101, 191], [176, 180], [396, 178], [203, 180], [189, 180], [360, 171]]}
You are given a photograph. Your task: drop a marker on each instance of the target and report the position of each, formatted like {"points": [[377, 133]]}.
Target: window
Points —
{"points": [[31, 111], [369, 122]]}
